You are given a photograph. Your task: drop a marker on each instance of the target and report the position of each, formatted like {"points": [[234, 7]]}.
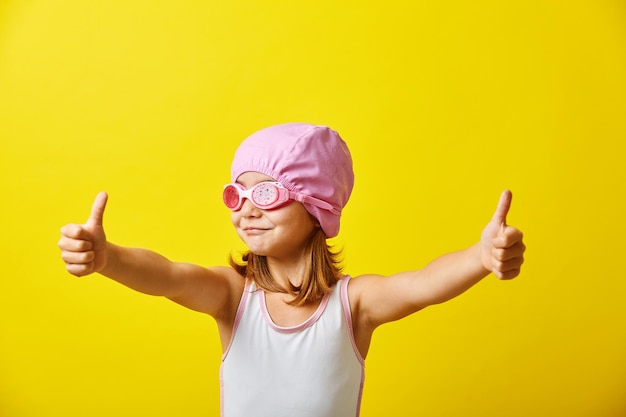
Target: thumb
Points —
{"points": [[503, 208], [97, 210]]}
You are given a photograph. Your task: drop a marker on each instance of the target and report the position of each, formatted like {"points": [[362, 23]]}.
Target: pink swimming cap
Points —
{"points": [[308, 159]]}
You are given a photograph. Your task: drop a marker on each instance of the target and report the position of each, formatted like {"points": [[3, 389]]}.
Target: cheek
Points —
{"points": [[299, 220]]}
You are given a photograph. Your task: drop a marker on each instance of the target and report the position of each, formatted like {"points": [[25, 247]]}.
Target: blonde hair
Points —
{"points": [[322, 271]]}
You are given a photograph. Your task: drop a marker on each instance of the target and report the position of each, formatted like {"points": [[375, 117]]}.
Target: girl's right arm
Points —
{"points": [[85, 250]]}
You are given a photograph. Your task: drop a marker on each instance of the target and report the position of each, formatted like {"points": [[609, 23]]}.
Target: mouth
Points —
{"points": [[253, 230]]}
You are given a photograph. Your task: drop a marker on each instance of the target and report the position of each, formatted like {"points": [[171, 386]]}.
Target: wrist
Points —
{"points": [[109, 259], [483, 259]]}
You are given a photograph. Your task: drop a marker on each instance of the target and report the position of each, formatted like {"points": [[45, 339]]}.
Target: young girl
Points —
{"points": [[294, 330]]}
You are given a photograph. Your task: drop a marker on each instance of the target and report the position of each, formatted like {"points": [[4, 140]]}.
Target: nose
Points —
{"points": [[249, 210]]}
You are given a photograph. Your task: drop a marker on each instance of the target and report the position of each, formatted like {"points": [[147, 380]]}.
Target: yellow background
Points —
{"points": [[443, 104]]}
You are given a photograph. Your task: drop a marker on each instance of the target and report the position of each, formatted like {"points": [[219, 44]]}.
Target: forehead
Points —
{"points": [[251, 178]]}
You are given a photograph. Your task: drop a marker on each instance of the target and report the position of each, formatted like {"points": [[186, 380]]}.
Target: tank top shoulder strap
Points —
{"points": [[248, 289], [347, 313]]}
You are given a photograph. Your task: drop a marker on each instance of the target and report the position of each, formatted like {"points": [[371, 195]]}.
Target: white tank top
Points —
{"points": [[310, 370]]}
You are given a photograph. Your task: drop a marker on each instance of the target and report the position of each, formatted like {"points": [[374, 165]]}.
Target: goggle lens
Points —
{"points": [[264, 194], [231, 197]]}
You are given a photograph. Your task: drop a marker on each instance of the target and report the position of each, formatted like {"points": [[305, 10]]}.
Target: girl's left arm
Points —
{"points": [[377, 300]]}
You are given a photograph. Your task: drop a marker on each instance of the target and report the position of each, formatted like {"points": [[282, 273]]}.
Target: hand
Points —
{"points": [[83, 246], [502, 245]]}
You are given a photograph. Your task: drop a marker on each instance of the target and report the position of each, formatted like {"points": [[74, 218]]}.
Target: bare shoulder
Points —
{"points": [[232, 279], [362, 324], [227, 274], [235, 284], [212, 290], [359, 289], [221, 301], [361, 284], [377, 299]]}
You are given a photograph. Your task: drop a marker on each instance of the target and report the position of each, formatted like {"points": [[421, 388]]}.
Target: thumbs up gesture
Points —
{"points": [[502, 245], [83, 246]]}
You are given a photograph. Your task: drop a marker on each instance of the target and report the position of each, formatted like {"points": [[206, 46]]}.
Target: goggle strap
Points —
{"points": [[306, 199]]}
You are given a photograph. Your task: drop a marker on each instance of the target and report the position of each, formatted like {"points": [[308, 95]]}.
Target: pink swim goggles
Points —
{"points": [[268, 195]]}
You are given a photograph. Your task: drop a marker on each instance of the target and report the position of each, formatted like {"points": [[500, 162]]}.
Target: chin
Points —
{"points": [[256, 249]]}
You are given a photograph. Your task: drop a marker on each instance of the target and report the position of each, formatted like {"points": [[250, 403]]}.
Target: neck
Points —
{"points": [[287, 274]]}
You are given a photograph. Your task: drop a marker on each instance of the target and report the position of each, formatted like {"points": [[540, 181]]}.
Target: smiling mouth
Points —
{"points": [[254, 230]]}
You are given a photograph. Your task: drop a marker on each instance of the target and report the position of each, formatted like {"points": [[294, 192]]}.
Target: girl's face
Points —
{"points": [[281, 233]]}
